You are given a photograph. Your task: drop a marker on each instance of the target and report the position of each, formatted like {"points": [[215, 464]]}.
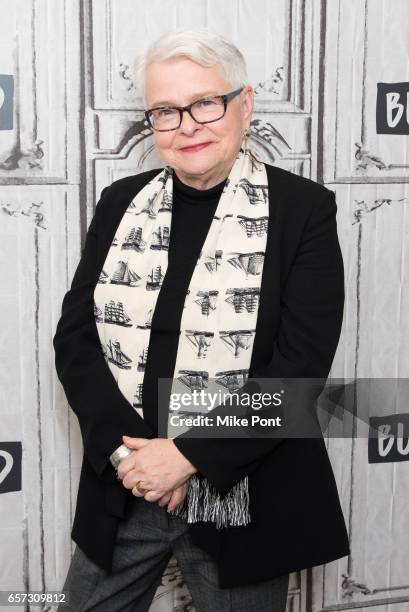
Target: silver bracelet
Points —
{"points": [[120, 453]]}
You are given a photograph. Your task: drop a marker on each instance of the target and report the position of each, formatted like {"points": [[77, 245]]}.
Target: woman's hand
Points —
{"points": [[174, 497], [157, 463]]}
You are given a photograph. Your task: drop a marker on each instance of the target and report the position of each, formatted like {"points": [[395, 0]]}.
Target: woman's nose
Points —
{"points": [[188, 124]]}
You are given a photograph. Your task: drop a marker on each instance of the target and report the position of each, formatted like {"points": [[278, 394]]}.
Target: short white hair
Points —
{"points": [[199, 45]]}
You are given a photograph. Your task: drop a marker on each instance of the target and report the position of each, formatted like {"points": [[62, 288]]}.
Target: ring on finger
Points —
{"points": [[141, 490]]}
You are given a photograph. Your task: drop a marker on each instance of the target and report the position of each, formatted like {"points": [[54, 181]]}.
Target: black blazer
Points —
{"points": [[297, 521]]}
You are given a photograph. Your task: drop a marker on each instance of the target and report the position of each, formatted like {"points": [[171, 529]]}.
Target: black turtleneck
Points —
{"points": [[192, 212]]}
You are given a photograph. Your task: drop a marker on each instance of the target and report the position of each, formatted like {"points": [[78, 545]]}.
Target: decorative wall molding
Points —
{"points": [[356, 60], [47, 76], [32, 210]]}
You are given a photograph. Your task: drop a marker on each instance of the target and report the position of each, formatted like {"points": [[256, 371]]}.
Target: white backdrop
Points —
{"points": [[71, 123]]}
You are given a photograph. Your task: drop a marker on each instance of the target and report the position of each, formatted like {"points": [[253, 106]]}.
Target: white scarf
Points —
{"points": [[220, 310]]}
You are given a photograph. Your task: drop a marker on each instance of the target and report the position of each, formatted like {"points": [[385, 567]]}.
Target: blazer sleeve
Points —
{"points": [[103, 412], [310, 324]]}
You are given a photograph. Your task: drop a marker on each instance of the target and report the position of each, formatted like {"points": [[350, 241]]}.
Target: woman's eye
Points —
{"points": [[165, 112], [205, 103]]}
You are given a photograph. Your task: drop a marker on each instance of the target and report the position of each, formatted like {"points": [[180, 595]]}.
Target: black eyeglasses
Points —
{"points": [[206, 110]]}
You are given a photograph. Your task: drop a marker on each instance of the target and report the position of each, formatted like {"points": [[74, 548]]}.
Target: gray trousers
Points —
{"points": [[146, 540]]}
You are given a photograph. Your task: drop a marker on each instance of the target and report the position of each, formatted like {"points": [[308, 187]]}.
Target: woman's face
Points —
{"points": [[178, 82]]}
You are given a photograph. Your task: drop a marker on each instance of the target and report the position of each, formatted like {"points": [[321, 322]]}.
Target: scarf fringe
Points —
{"points": [[202, 503]]}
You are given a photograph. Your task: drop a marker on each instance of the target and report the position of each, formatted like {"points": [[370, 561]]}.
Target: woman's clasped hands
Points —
{"points": [[157, 466]]}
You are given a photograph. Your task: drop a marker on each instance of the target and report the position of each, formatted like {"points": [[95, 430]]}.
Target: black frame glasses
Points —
{"points": [[181, 109]]}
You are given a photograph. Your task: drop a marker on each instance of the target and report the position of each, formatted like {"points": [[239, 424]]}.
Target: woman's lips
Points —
{"points": [[195, 147]]}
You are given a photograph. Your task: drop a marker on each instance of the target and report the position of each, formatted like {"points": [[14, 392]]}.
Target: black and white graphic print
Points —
{"points": [[10, 466], [220, 310]]}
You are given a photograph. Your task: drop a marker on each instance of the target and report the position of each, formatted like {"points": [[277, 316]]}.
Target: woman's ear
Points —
{"points": [[248, 104]]}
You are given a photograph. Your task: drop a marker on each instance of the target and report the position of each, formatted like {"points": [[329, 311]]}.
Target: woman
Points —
{"points": [[217, 266]]}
